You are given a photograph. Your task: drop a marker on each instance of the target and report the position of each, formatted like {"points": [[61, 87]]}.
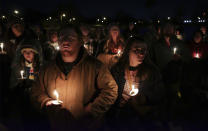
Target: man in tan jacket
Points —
{"points": [[84, 85]]}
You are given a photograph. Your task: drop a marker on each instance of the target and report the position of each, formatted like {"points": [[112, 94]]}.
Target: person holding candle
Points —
{"points": [[108, 51], [85, 86], [194, 79], [24, 70], [170, 55], [198, 48], [26, 64], [135, 70]]}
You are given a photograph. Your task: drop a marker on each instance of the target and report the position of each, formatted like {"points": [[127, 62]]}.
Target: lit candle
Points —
{"points": [[57, 48], [56, 94], [197, 56], [134, 91], [57, 101], [119, 53], [22, 74], [86, 46], [174, 50], [2, 47]]}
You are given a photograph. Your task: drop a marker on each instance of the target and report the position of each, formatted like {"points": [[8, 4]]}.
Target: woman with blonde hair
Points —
{"points": [[112, 49]]}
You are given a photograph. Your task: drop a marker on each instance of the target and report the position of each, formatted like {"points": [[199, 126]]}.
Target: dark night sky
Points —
{"points": [[135, 8]]}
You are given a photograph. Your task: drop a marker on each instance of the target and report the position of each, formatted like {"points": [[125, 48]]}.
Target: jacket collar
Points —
{"points": [[59, 65]]}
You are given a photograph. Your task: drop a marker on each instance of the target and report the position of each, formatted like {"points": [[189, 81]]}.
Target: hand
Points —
{"points": [[53, 102]]}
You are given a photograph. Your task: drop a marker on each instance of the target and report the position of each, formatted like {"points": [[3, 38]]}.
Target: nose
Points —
{"points": [[65, 42], [27, 53], [141, 55]]}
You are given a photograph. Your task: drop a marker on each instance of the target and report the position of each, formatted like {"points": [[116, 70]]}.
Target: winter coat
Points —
{"points": [[89, 83]]}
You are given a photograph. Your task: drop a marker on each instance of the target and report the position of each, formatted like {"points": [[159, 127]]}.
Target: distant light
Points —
{"points": [[158, 21], [98, 20], [70, 20], [16, 11], [64, 15], [73, 18], [168, 18], [104, 18], [50, 18], [3, 17], [46, 19], [135, 23], [21, 18], [199, 18], [187, 21], [102, 21]]}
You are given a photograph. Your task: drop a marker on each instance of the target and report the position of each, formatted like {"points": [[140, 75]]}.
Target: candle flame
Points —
{"points": [[22, 73], [86, 46], [2, 45], [56, 94], [134, 91], [57, 48], [119, 52], [197, 55], [174, 50]]}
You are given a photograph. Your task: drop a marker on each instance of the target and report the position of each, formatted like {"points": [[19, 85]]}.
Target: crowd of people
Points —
{"points": [[85, 77]]}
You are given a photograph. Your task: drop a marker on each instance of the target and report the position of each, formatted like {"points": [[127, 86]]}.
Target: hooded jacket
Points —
{"points": [[17, 66]]}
